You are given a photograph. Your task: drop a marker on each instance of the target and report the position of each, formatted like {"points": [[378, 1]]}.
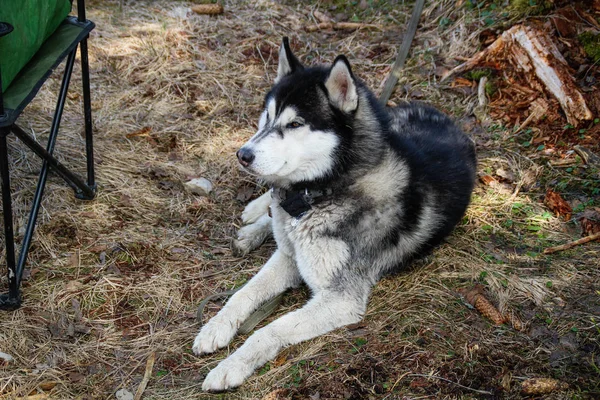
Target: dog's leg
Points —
{"points": [[256, 209], [277, 275], [323, 313], [251, 236], [258, 226]]}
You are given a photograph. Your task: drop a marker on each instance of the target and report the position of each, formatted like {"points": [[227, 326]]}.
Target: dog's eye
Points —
{"points": [[293, 125]]}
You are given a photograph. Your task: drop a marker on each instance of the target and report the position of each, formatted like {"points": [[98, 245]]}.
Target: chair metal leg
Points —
{"points": [[87, 112], [37, 198], [12, 300], [82, 190]]}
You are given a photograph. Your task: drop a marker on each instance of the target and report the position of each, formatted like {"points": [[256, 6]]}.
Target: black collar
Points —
{"points": [[298, 202]]}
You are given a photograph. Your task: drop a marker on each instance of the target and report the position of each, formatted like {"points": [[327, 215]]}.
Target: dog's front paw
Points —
{"points": [[256, 209], [250, 237], [251, 214], [228, 374], [214, 335]]}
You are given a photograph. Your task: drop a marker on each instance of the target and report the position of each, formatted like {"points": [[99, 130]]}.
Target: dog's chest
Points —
{"points": [[320, 257]]}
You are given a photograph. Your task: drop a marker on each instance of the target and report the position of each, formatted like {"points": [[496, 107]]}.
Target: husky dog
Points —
{"points": [[358, 191]]}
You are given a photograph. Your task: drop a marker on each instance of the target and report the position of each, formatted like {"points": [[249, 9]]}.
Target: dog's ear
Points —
{"points": [[341, 86], [288, 63]]}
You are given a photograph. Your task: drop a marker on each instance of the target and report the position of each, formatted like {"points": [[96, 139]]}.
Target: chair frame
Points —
{"points": [[85, 190]]}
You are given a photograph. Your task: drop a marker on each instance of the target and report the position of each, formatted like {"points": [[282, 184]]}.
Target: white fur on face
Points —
{"points": [[300, 154]]}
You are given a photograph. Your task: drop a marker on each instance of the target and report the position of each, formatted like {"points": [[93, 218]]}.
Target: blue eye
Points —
{"points": [[293, 125]]}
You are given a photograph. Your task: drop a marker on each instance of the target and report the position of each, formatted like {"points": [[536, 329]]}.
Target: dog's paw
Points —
{"points": [[256, 209], [251, 214], [250, 237], [213, 336], [228, 374]]}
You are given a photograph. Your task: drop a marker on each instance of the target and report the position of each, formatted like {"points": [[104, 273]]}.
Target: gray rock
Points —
{"points": [[200, 186], [6, 357], [124, 394]]}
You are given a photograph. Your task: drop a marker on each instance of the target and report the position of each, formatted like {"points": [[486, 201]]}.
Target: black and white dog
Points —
{"points": [[358, 190]]}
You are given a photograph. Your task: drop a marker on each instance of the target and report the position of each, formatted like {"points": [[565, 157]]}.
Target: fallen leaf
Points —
{"points": [[321, 16], [166, 185], [83, 329], [558, 205], [278, 394], [280, 360], [47, 385], [590, 222], [98, 248], [140, 132], [156, 171], [245, 193], [508, 175], [74, 259], [75, 377], [487, 179], [73, 286]]}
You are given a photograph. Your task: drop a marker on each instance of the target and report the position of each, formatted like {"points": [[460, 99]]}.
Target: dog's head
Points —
{"points": [[306, 123]]}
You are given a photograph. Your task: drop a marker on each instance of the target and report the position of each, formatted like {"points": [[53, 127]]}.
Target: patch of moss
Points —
{"points": [[591, 45], [490, 88], [478, 73], [530, 7]]}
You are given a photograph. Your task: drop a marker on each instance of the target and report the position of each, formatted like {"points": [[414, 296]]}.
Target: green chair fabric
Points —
{"points": [[33, 21], [54, 50]]}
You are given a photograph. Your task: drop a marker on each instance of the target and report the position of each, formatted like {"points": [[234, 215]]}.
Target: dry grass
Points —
{"points": [[174, 95]]}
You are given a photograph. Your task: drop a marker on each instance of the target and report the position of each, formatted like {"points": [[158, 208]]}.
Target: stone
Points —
{"points": [[200, 186]]}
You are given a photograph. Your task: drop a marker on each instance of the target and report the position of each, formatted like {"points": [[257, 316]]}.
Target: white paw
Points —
{"points": [[227, 375], [256, 209], [214, 335], [250, 237]]}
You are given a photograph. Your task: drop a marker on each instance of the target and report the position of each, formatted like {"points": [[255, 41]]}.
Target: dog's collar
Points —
{"points": [[297, 202]]}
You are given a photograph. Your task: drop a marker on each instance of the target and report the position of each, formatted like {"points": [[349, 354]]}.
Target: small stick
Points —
{"points": [[340, 26], [392, 79], [481, 92], [577, 242], [146, 378]]}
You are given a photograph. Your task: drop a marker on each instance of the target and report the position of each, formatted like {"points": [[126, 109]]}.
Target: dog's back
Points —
{"points": [[442, 163]]}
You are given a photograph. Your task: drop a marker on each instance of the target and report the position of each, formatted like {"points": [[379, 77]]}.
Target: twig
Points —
{"points": [[449, 381], [481, 92], [146, 378], [577, 242], [340, 26], [393, 77]]}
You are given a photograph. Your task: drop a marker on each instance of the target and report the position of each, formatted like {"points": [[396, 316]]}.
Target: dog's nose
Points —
{"points": [[245, 156]]}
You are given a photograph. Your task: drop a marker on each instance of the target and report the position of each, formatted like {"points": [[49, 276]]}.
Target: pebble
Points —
{"points": [[200, 186]]}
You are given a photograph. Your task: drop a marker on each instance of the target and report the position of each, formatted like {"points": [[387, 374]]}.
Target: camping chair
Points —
{"points": [[35, 37]]}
